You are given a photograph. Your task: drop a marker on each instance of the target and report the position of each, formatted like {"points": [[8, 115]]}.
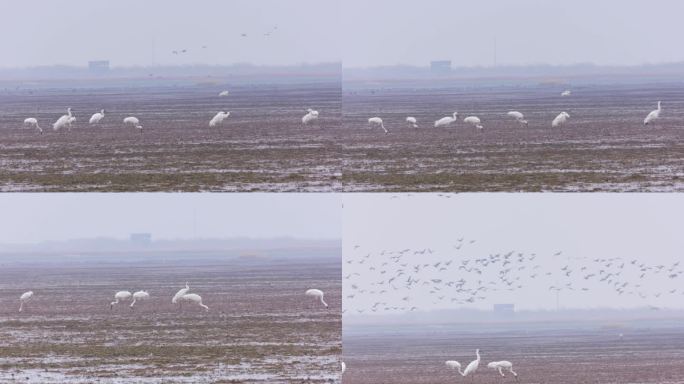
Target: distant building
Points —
{"points": [[141, 238], [98, 66], [440, 66], [504, 309]]}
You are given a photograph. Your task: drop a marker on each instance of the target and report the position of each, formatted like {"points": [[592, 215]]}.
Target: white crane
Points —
{"points": [[140, 296], [132, 120], [120, 297], [96, 117], [561, 119], [218, 118], [412, 122], [317, 293], [567, 92], [376, 121], [344, 367], [223, 93], [193, 298], [501, 365], [311, 116], [474, 121], [473, 365], [518, 116], [179, 294], [653, 115], [63, 121], [33, 122], [24, 298], [446, 121], [453, 364]]}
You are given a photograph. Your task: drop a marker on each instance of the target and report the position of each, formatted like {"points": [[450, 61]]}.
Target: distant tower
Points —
{"points": [[440, 66], [98, 67], [143, 239], [504, 310]]}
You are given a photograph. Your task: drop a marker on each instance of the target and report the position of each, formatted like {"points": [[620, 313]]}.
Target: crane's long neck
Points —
{"points": [[323, 302], [455, 115], [69, 112], [659, 105], [461, 371], [477, 353]]}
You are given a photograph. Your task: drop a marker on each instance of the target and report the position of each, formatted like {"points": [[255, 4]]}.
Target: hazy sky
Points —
{"points": [[646, 227], [56, 216], [387, 32], [131, 32]]}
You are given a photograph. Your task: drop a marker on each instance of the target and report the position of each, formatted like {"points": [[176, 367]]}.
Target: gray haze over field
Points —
{"points": [[30, 218], [604, 32], [646, 227], [144, 33]]}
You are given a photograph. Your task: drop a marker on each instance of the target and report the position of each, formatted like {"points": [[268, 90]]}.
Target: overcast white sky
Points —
{"points": [[28, 218], [611, 32], [131, 32], [646, 227]]}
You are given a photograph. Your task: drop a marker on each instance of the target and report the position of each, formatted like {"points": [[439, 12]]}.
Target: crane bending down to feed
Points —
{"points": [[317, 293], [194, 298], [140, 296], [179, 294], [561, 119], [653, 115], [376, 121], [218, 118], [33, 122], [453, 364], [474, 121], [446, 121], [518, 116], [311, 116], [63, 121], [412, 122], [96, 117], [120, 297], [501, 365], [25, 298], [132, 120]]}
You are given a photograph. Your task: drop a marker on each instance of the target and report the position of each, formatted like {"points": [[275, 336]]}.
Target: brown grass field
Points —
{"points": [[604, 147], [539, 353], [263, 146], [260, 326]]}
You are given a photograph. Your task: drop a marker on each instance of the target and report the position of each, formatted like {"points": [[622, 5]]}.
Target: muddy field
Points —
{"points": [[260, 326], [263, 145], [558, 356], [604, 147]]}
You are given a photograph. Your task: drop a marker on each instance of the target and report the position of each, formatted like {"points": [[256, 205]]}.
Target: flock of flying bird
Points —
{"points": [[399, 281], [561, 119], [388, 281], [182, 296]]}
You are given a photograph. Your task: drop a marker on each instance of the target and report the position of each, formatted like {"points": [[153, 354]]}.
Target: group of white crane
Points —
{"points": [[475, 121], [182, 296], [66, 121], [470, 369]]}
